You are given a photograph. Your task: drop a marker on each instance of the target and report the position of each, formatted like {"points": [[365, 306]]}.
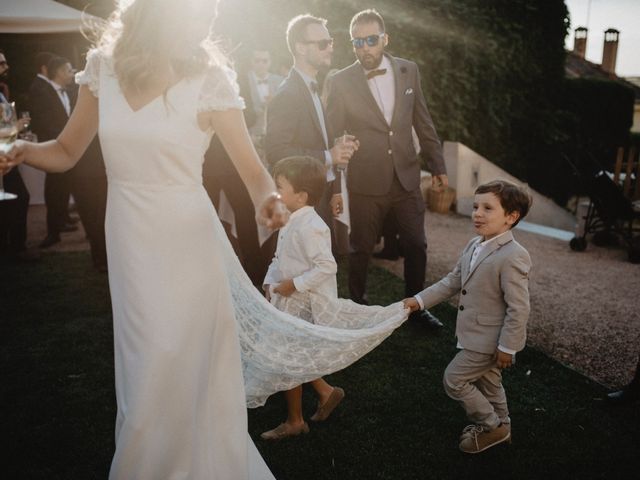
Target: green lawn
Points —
{"points": [[58, 405]]}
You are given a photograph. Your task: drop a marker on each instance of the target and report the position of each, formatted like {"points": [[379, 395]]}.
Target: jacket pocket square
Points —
{"points": [[408, 91]]}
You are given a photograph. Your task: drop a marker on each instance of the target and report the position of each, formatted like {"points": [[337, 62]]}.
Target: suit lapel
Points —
{"points": [[362, 87], [493, 246], [399, 80], [308, 101]]}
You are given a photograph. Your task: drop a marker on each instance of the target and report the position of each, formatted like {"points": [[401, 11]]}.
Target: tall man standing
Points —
{"points": [[296, 123], [378, 99]]}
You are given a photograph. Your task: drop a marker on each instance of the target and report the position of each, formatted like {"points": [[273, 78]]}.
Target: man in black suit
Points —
{"points": [[50, 109], [296, 122], [379, 99], [13, 213]]}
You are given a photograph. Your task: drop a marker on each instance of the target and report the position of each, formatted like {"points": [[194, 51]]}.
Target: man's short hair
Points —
{"points": [[54, 64], [305, 174], [512, 197], [42, 60], [297, 28], [370, 15]]}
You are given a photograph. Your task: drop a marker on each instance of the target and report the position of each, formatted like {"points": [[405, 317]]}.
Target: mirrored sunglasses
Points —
{"points": [[371, 40]]}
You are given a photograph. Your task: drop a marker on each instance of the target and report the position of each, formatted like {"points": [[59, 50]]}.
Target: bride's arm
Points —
{"points": [[230, 126], [64, 152]]}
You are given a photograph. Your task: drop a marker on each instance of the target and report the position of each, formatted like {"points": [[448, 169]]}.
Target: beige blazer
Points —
{"points": [[494, 296]]}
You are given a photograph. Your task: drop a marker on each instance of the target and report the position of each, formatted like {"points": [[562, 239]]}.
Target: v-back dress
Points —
{"points": [[195, 342]]}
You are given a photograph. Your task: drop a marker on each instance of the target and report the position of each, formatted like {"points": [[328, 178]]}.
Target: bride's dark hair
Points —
{"points": [[148, 38]]}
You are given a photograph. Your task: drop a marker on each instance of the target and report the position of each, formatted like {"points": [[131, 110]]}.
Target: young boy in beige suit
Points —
{"points": [[492, 278]]}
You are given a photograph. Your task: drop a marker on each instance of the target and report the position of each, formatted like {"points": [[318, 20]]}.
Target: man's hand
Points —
{"points": [[337, 204], [411, 303], [343, 150], [503, 360], [440, 181], [285, 288]]}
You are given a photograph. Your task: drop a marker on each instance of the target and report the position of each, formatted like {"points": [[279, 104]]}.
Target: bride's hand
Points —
{"points": [[272, 212], [13, 157]]}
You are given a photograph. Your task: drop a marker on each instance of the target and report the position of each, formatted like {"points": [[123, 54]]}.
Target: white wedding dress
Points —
{"points": [[195, 342]]}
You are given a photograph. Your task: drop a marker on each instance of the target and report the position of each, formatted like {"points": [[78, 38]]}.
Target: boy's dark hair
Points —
{"points": [[54, 64], [512, 197], [369, 15], [305, 174], [297, 28]]}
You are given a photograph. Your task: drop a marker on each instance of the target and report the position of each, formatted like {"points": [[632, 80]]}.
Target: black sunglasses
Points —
{"points": [[371, 40], [322, 44]]}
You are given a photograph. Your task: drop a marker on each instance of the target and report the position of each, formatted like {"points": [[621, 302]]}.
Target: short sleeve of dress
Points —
{"points": [[220, 91], [90, 76]]}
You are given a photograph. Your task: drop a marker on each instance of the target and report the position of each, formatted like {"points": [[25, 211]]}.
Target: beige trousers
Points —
{"points": [[473, 379]]}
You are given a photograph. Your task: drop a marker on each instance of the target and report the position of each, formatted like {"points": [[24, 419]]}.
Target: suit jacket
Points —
{"points": [[494, 296], [293, 127], [383, 147], [48, 116], [257, 127]]}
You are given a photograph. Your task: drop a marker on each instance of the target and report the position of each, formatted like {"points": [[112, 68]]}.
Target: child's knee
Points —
{"points": [[452, 384]]}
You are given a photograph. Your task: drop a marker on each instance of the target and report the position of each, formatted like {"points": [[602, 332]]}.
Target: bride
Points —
{"points": [[195, 343]]}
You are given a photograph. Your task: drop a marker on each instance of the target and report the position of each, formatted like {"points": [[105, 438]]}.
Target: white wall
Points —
{"points": [[466, 170]]}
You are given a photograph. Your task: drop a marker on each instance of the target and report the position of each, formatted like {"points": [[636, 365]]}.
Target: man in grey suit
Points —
{"points": [[261, 87], [296, 122], [379, 99]]}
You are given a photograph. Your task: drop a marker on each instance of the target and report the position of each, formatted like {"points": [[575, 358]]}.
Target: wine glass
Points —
{"points": [[8, 135]]}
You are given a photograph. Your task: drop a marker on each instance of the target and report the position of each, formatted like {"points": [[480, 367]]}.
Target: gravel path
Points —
{"points": [[585, 307]]}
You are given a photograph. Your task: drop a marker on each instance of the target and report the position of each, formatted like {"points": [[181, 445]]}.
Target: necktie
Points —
{"points": [[375, 73], [314, 87]]}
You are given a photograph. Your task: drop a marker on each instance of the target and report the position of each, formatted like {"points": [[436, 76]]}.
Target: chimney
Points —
{"points": [[610, 50], [580, 41]]}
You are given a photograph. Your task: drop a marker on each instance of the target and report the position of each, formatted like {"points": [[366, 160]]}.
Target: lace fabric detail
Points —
{"points": [[220, 91], [280, 351], [90, 76]]}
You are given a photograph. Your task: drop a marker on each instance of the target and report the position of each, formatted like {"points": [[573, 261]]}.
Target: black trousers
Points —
{"points": [[57, 190], [90, 194], [368, 213], [13, 214]]}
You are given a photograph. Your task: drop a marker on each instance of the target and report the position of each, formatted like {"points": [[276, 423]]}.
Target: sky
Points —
{"points": [[623, 15]]}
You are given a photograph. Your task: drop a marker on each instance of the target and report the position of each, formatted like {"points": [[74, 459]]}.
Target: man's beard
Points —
{"points": [[4, 76], [369, 62]]}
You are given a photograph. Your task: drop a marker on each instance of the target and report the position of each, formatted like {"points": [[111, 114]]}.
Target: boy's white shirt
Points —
{"points": [[477, 250], [304, 255]]}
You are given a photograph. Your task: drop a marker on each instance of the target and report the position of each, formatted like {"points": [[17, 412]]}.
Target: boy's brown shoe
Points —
{"points": [[284, 430], [469, 430], [478, 439]]}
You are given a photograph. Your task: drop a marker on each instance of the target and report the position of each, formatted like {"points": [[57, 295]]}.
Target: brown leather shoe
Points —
{"points": [[479, 439], [469, 430], [284, 430], [327, 407]]}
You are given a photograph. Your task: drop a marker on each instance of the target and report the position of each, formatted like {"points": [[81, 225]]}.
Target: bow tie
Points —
{"points": [[314, 87], [375, 73], [263, 82]]}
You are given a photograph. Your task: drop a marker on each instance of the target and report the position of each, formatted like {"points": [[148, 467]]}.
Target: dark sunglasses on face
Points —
{"points": [[322, 44], [371, 40]]}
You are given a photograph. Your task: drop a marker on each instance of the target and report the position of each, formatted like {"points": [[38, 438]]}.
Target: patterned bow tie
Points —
{"points": [[375, 73], [314, 87]]}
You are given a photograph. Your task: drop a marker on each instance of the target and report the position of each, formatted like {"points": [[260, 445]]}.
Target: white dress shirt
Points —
{"points": [[320, 113], [262, 84], [304, 255], [383, 89], [64, 98]]}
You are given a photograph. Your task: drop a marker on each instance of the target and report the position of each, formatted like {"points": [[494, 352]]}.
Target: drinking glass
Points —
{"points": [[8, 135]]}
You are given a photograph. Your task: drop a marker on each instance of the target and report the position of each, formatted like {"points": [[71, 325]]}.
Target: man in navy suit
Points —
{"points": [[379, 99], [296, 122]]}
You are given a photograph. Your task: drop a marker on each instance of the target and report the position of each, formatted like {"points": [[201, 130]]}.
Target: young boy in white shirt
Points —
{"points": [[303, 262], [492, 278]]}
